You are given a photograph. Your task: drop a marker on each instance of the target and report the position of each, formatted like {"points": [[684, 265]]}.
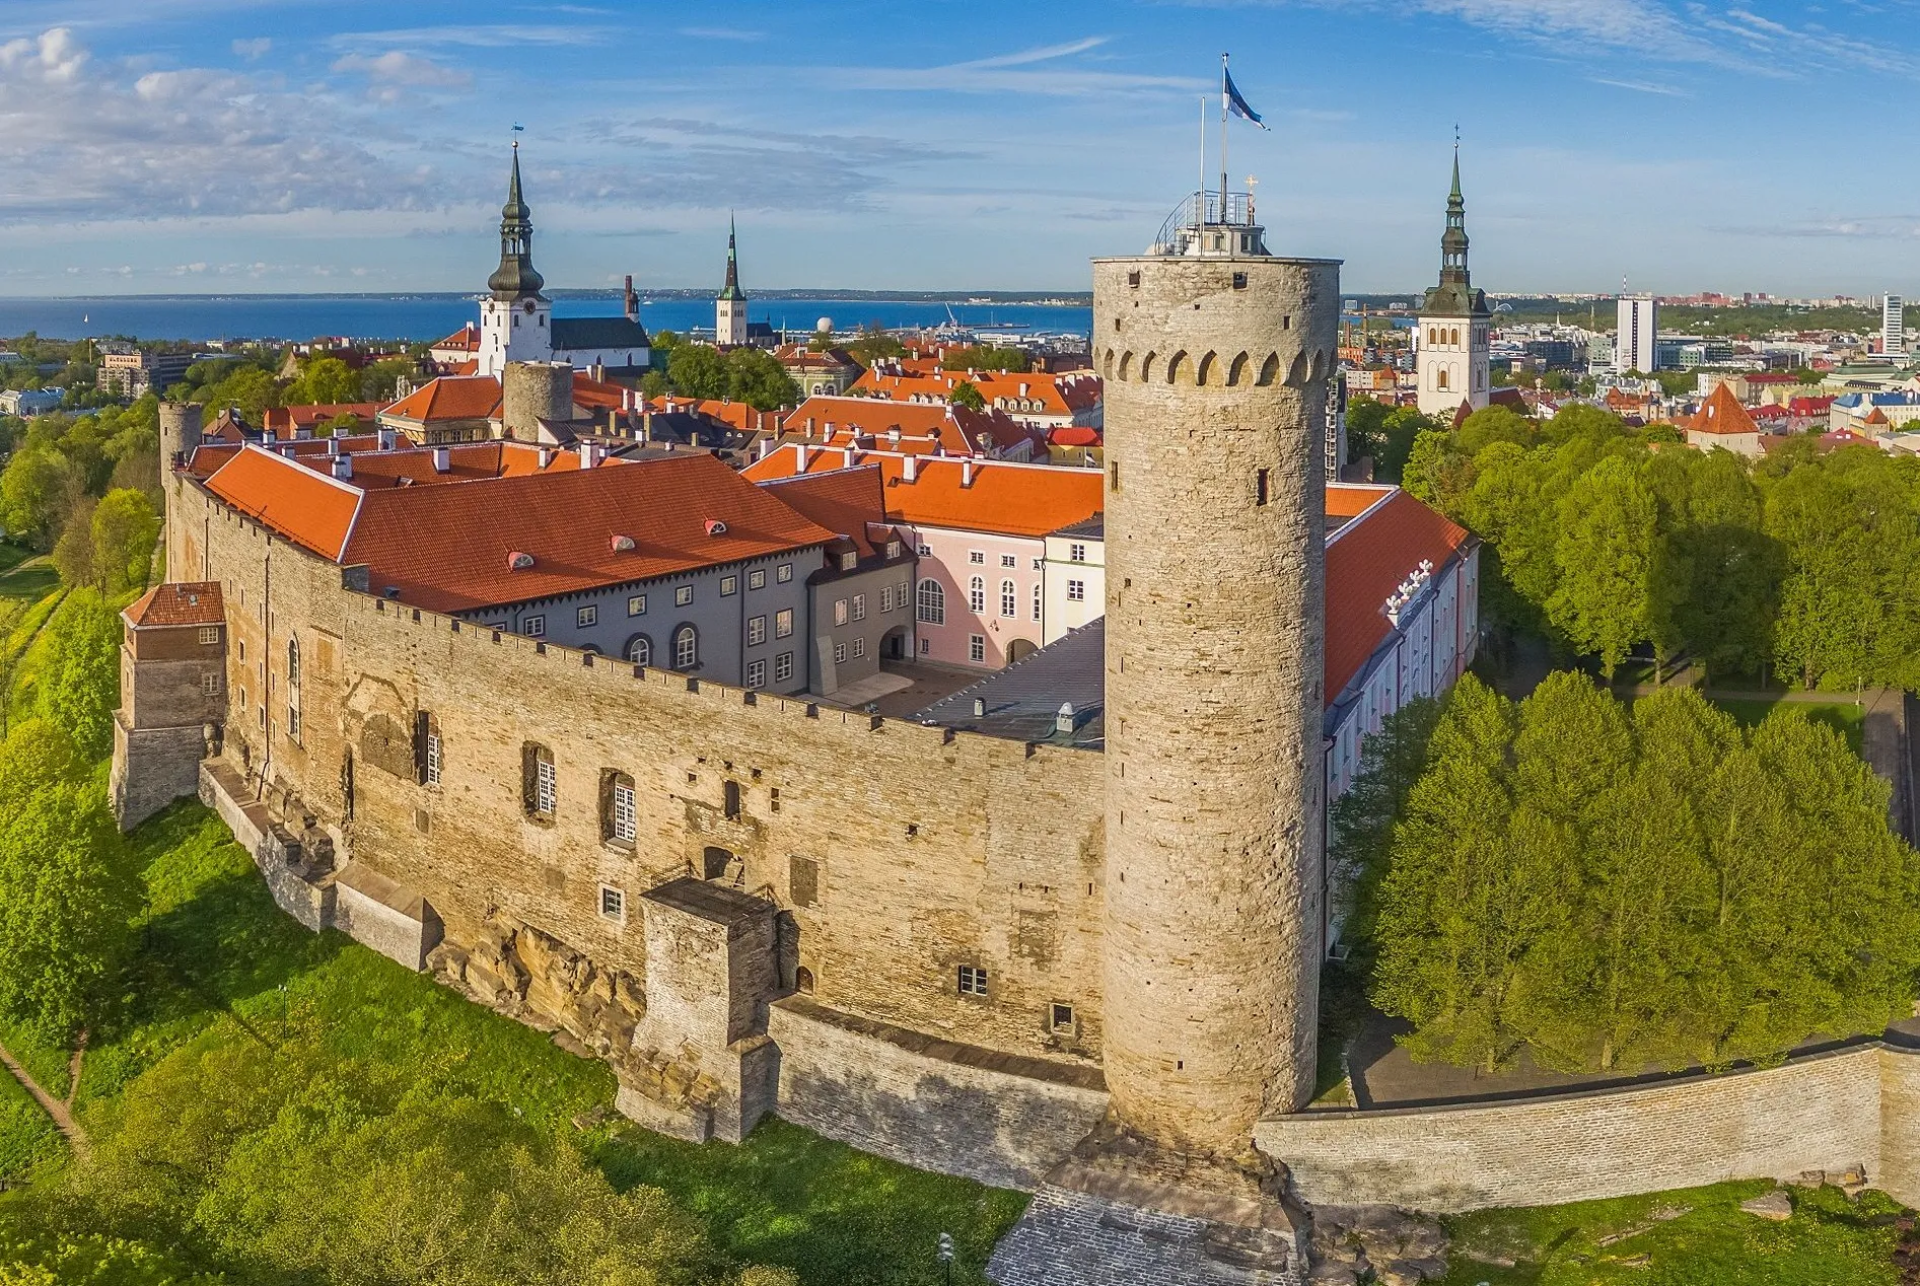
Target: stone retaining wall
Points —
{"points": [[1830, 1111], [954, 1109]]}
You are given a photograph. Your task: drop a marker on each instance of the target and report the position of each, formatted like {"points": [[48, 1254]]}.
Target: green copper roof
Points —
{"points": [[1455, 295], [515, 278]]}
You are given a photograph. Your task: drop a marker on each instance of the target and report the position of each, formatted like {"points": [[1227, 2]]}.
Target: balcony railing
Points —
{"points": [[1200, 210]]}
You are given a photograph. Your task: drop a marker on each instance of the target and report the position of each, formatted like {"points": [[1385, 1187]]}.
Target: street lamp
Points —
{"points": [[946, 1255]]}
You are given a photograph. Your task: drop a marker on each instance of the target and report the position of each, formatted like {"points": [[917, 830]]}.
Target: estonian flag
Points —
{"points": [[1236, 104]]}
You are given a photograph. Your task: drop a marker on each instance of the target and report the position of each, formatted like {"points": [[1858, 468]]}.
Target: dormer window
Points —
{"points": [[849, 560], [893, 549]]}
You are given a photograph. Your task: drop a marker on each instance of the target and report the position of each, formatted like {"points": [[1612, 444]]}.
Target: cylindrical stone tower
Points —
{"points": [[180, 431], [531, 392], [1217, 358]]}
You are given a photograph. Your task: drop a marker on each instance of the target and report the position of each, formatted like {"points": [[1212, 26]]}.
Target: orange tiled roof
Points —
{"points": [[1351, 499], [955, 429], [1061, 394], [1879, 416], [306, 507], [1722, 414], [209, 456], [1366, 561], [281, 421], [180, 603], [466, 339], [408, 466], [847, 502], [450, 397], [738, 415], [1013, 499]]}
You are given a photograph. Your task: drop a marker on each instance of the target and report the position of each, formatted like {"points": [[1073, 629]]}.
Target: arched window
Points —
{"points": [[1456, 337], [686, 648], [618, 812], [1009, 599], [930, 606], [293, 663], [639, 650], [803, 980], [977, 594], [539, 781], [1440, 377]]}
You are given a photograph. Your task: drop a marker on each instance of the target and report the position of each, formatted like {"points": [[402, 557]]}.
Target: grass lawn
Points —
{"points": [[1830, 1241], [220, 963], [1844, 717], [24, 577], [27, 1137]]}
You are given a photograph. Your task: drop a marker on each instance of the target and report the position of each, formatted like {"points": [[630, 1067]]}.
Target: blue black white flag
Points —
{"points": [[1236, 104]]}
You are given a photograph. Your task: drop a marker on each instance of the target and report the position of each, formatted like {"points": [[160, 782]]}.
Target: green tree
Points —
{"points": [[966, 394], [1366, 430], [1391, 761], [125, 530], [80, 683], [65, 904], [323, 381], [12, 612], [248, 390], [1605, 554], [873, 344], [37, 490], [699, 370], [757, 378], [985, 357], [73, 553], [378, 380]]}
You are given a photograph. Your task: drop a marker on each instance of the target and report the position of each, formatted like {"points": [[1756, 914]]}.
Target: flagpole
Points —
{"points": [[1223, 139]]}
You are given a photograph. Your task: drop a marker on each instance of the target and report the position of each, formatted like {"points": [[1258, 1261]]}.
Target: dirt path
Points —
{"points": [[60, 1112]]}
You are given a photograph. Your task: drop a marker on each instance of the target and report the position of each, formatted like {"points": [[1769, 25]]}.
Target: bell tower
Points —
{"points": [[516, 320], [1455, 339], [1219, 358]]}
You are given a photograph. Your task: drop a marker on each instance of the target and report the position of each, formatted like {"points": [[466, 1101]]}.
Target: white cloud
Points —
{"points": [[1014, 73], [1045, 53], [253, 49], [56, 57], [494, 36], [390, 74]]}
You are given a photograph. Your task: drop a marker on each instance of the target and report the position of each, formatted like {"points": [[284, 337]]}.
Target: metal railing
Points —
{"points": [[1199, 210]]}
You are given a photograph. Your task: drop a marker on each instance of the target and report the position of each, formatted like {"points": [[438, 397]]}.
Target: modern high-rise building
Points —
{"points": [[1634, 349], [1893, 325]]}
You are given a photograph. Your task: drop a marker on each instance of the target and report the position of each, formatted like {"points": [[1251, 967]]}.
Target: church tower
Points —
{"points": [[1219, 359], [516, 320], [730, 305], [1456, 329]]}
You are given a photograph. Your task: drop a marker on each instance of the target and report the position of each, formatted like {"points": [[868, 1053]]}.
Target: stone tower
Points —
{"points": [[180, 431], [730, 305], [1455, 339], [516, 320], [1219, 358]]}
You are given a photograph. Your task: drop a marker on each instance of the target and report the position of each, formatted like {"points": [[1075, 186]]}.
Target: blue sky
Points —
{"points": [[279, 145]]}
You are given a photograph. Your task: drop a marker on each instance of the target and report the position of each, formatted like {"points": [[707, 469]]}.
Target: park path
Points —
{"points": [[60, 1112]]}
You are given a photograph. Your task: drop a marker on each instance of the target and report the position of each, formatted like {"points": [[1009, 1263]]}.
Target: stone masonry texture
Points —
{"points": [[1217, 375]]}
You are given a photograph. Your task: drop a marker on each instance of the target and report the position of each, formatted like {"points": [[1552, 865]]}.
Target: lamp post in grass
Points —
{"points": [[946, 1255]]}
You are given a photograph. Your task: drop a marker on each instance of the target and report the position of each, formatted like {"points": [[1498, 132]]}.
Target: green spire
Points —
{"points": [[732, 289]]}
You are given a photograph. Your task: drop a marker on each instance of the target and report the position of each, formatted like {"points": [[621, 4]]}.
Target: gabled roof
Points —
{"points": [[1367, 559], [448, 548], [847, 502], [576, 334], [1722, 415], [450, 397], [1060, 394], [409, 466], [1011, 499], [952, 429], [464, 340], [182, 603], [281, 421], [306, 507]]}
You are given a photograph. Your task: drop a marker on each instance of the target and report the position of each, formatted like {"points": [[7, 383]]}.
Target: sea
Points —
{"points": [[200, 318]]}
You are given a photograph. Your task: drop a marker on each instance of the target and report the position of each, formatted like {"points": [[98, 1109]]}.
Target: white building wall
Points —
{"points": [[1064, 611], [514, 332], [1453, 364]]}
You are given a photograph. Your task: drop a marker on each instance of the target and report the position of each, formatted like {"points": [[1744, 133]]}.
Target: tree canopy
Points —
{"points": [[985, 357], [1606, 888]]}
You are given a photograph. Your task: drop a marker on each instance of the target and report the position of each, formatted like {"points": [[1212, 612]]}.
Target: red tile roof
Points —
{"points": [[923, 426], [466, 462], [1012, 499], [281, 421], [447, 548], [847, 502], [1061, 394], [306, 507], [450, 397], [181, 603], [466, 339], [1722, 414], [1366, 561]]}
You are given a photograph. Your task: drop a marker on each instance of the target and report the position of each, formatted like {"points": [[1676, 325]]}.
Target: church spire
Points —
{"points": [[1453, 242], [515, 278], [732, 289]]}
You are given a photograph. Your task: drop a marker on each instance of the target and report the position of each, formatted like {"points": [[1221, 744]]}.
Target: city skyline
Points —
{"points": [[250, 145]]}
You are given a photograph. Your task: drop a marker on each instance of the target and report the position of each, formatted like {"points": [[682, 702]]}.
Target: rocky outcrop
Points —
{"points": [[531, 976], [1376, 1243]]}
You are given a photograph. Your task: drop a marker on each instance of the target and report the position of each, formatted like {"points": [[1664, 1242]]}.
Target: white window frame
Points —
{"points": [[783, 623], [586, 617], [783, 667], [1076, 591], [209, 635], [757, 674], [535, 627], [757, 578], [546, 786], [1009, 600], [729, 586], [210, 683], [977, 648], [686, 647], [784, 573], [930, 608], [839, 611], [1009, 561], [859, 648], [859, 607], [682, 595], [977, 557], [625, 812], [618, 897], [433, 759], [977, 595], [636, 605], [756, 630], [1076, 553], [971, 980], [839, 653]]}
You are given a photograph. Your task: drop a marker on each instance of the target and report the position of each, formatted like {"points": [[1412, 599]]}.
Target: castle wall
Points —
{"points": [[928, 1103], [894, 853], [1830, 1112]]}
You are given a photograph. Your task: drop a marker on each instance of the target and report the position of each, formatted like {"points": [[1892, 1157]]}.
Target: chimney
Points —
{"points": [[598, 374], [646, 425], [333, 446], [809, 426], [546, 456], [893, 438], [386, 439], [591, 454], [766, 446], [979, 707], [966, 472], [1063, 721], [631, 300], [343, 466], [442, 460], [1024, 386], [800, 457], [846, 457], [910, 468]]}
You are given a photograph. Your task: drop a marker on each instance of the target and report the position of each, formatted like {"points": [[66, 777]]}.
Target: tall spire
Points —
{"points": [[732, 289], [1453, 242], [515, 278]]}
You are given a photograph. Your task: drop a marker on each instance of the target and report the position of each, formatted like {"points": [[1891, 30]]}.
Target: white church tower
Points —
{"points": [[1456, 328], [516, 320], [730, 305]]}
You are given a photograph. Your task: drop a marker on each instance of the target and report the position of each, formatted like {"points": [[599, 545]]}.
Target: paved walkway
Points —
{"points": [[61, 1111]]}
